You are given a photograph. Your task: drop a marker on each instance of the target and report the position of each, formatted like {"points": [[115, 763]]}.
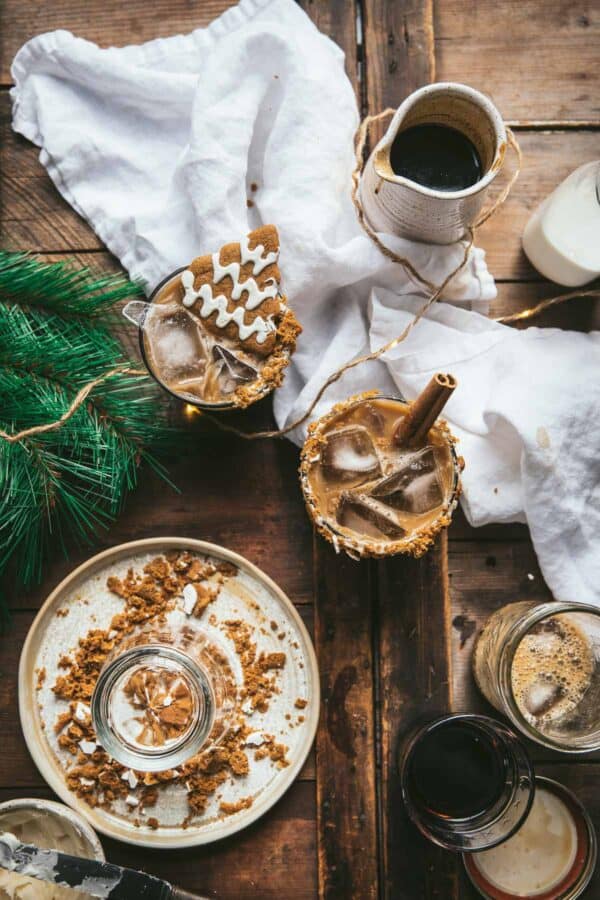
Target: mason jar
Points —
{"points": [[539, 664]]}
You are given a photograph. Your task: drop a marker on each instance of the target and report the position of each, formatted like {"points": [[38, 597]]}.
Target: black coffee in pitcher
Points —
{"points": [[437, 157]]}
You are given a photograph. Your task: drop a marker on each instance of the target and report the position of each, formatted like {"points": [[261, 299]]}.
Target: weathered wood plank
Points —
{"points": [[108, 23], [537, 60], [414, 685], [346, 770], [399, 53], [337, 19], [548, 157], [273, 858], [413, 606], [271, 530]]}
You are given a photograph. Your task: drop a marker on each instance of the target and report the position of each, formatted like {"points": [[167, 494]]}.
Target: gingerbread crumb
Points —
{"points": [[148, 597], [230, 808]]}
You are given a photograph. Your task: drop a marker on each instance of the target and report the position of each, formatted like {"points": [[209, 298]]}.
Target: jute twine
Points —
{"points": [[360, 140], [79, 398]]}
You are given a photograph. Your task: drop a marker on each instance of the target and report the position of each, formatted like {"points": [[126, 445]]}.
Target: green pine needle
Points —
{"points": [[61, 286], [63, 486]]}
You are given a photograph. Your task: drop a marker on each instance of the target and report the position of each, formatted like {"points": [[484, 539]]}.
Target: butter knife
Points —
{"points": [[100, 879]]}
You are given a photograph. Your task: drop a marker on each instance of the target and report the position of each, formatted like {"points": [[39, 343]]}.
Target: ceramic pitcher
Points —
{"points": [[396, 205]]}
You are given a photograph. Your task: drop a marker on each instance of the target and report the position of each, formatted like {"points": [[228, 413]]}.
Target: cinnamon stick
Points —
{"points": [[412, 429]]}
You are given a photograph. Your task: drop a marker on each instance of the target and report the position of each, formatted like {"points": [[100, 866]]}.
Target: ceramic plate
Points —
{"points": [[85, 602]]}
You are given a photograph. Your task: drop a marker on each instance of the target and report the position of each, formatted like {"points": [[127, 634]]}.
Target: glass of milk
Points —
{"points": [[562, 237]]}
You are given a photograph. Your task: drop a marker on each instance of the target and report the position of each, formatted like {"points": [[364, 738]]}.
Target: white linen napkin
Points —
{"points": [[174, 147], [527, 412]]}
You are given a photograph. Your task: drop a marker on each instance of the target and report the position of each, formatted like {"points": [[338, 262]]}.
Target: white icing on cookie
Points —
{"points": [[260, 327], [211, 303]]}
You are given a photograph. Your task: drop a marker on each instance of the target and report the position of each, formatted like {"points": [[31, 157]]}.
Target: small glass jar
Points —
{"points": [[467, 782], [539, 664], [551, 857], [162, 697]]}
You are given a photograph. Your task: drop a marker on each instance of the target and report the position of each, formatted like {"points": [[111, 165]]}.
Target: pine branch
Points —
{"points": [[63, 486], [61, 286]]}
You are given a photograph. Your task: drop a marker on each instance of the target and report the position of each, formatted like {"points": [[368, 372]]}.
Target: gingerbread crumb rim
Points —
{"points": [[412, 545]]}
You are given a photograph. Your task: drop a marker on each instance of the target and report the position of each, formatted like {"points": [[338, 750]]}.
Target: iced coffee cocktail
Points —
{"points": [[370, 493], [218, 333]]}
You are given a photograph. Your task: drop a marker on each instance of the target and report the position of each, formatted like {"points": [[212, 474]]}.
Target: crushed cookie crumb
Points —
{"points": [[147, 599], [301, 703], [41, 677], [231, 808]]}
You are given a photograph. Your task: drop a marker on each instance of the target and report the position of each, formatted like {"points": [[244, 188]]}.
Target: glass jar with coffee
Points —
{"points": [[539, 664], [467, 782]]}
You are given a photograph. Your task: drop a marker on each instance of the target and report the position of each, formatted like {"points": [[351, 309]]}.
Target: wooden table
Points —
{"points": [[394, 638]]}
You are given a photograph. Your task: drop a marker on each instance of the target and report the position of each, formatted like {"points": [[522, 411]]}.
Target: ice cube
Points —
{"points": [[541, 696], [176, 344], [371, 418], [414, 487], [350, 455], [368, 517], [233, 372]]}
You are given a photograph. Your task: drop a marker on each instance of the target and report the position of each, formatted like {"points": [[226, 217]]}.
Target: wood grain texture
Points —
{"points": [[413, 606], [346, 764], [337, 19], [414, 686], [548, 157], [270, 529], [109, 23], [536, 60], [346, 770], [399, 52]]}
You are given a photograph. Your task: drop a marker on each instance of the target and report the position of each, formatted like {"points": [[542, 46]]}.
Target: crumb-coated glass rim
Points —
{"points": [[448, 508], [220, 405]]}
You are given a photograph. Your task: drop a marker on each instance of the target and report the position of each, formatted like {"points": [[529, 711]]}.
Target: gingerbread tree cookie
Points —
{"points": [[220, 332]]}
